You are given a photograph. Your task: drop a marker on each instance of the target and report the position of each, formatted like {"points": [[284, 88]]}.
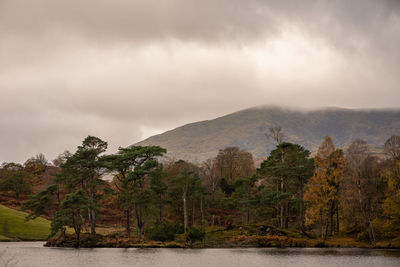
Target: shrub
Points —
{"points": [[196, 234], [162, 232]]}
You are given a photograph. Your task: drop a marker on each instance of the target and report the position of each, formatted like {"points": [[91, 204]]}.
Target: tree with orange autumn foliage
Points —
{"points": [[323, 188]]}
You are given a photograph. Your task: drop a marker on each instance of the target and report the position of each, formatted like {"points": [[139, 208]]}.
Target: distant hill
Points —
{"points": [[247, 128]]}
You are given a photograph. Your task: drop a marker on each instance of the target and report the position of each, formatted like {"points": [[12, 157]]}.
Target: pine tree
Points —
{"points": [[131, 166], [71, 213], [134, 167], [286, 171]]}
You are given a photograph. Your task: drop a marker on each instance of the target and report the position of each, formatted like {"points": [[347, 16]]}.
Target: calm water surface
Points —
{"points": [[34, 254]]}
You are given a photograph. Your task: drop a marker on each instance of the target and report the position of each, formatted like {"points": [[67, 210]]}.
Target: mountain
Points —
{"points": [[247, 129]]}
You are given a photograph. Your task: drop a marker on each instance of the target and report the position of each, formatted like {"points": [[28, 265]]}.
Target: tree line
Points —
{"points": [[351, 191]]}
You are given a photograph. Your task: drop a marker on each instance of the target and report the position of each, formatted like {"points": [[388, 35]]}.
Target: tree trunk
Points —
{"points": [[282, 190], [330, 220], [77, 228], [160, 213], [140, 222], [278, 207], [286, 221], [127, 223], [371, 232], [337, 217], [201, 210], [141, 230], [326, 228], [78, 235], [301, 208], [282, 224], [373, 239], [331, 216], [58, 197], [84, 224], [370, 226], [322, 224], [93, 222], [248, 215], [193, 212], [185, 215], [89, 211], [92, 213]]}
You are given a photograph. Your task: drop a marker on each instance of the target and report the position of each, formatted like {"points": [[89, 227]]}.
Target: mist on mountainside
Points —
{"points": [[248, 129]]}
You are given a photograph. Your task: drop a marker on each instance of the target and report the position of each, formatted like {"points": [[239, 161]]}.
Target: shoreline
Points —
{"points": [[162, 246], [99, 241]]}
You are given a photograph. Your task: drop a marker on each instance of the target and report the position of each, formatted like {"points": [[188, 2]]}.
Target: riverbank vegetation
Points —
{"points": [[335, 197]]}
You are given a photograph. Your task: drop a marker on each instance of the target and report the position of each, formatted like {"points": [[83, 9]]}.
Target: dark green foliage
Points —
{"points": [[286, 172], [196, 234], [42, 203], [137, 180], [243, 197], [162, 232], [159, 189], [83, 170], [227, 188], [15, 179], [72, 212], [185, 192]]}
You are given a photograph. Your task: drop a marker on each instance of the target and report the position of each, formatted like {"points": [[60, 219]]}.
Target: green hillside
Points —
{"points": [[246, 129], [13, 226]]}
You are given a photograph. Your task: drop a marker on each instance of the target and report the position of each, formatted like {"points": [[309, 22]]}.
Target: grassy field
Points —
{"points": [[13, 226], [4, 238]]}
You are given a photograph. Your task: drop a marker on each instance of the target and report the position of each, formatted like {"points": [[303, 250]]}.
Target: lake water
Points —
{"points": [[34, 254]]}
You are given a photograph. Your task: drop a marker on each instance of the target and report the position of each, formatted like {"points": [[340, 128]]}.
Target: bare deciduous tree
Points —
{"points": [[358, 179], [392, 146], [276, 134], [41, 159], [233, 163], [210, 174], [61, 158]]}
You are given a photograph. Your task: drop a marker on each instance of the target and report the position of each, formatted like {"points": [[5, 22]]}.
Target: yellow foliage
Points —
{"points": [[322, 188], [391, 206]]}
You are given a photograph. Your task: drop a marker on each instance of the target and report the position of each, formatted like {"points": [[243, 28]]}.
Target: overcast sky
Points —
{"points": [[124, 69]]}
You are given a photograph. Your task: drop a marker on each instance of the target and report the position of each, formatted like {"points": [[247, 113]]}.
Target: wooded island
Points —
{"points": [[346, 198]]}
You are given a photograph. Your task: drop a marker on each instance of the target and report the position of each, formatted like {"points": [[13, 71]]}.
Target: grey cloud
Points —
{"points": [[117, 68], [152, 19], [208, 20], [36, 30], [51, 132]]}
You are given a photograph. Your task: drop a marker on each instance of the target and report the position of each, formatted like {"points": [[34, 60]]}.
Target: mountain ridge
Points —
{"points": [[246, 129]]}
